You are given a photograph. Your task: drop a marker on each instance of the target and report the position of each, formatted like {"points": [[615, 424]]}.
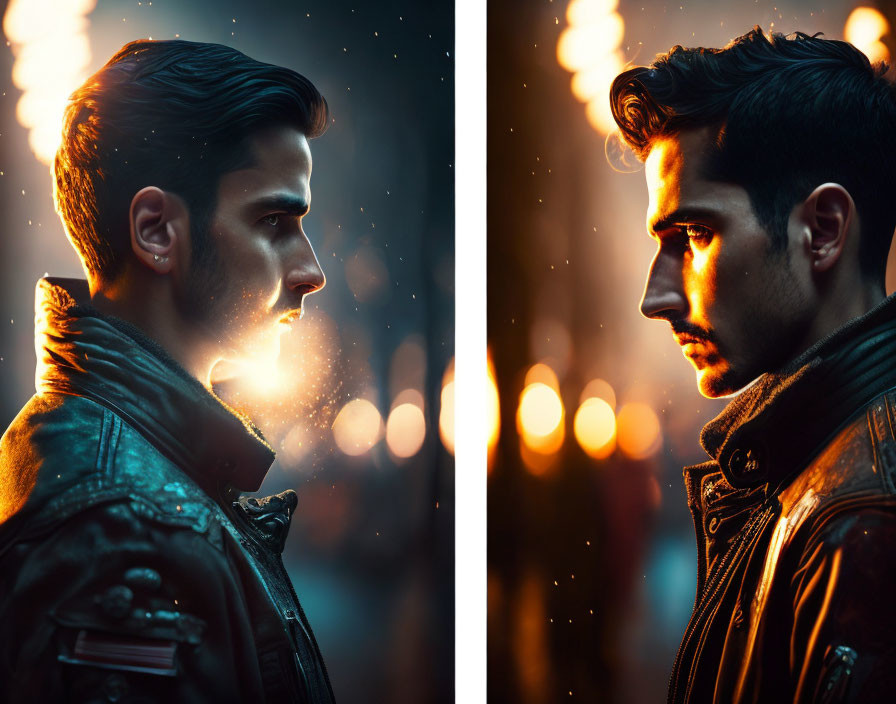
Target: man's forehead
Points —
{"points": [[281, 162], [280, 149], [674, 169], [676, 157]]}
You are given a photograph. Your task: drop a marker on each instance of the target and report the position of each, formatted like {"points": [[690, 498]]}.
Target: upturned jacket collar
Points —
{"points": [[774, 427], [83, 353]]}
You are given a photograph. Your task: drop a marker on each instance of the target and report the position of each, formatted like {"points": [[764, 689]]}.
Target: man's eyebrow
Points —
{"points": [[682, 215], [291, 205]]}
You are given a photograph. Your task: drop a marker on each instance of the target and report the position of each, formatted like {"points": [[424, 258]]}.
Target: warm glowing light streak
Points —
{"points": [[864, 29], [594, 426], [638, 431], [492, 411], [358, 427], [446, 417], [446, 408], [49, 41], [589, 48]]}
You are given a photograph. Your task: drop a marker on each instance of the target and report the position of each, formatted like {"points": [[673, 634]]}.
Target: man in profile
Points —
{"points": [[769, 167], [131, 568]]}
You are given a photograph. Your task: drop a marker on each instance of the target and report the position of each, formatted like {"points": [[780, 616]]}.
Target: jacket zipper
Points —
{"points": [[263, 557], [711, 590], [305, 625]]}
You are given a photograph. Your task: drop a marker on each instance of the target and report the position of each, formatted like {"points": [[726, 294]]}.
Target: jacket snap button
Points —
{"points": [[738, 461]]}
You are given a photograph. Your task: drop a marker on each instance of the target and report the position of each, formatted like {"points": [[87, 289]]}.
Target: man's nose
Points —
{"points": [[303, 274], [664, 295]]}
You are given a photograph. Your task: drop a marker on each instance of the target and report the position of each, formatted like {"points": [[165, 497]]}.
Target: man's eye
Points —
{"points": [[272, 220], [698, 233]]}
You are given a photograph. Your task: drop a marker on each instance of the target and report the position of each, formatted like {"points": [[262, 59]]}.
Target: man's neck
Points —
{"points": [[838, 311], [154, 312]]}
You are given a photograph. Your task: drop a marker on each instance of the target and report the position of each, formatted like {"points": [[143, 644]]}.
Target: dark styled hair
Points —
{"points": [[791, 113], [173, 114]]}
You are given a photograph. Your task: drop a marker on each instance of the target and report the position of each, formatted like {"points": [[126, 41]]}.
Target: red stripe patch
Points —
{"points": [[130, 653]]}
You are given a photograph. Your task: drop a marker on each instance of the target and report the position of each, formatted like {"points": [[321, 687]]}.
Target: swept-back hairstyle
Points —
{"points": [[790, 112], [173, 114]]}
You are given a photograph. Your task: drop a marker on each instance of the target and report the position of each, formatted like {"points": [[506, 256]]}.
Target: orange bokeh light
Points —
{"points": [[598, 388], [543, 374], [539, 421], [540, 411], [595, 427], [638, 432], [864, 28]]}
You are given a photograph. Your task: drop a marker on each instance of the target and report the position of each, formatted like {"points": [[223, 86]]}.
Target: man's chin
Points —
{"points": [[718, 381]]}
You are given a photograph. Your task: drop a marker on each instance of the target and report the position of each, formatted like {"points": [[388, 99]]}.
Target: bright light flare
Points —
{"points": [[49, 41], [595, 428], [638, 431], [864, 28], [358, 427]]}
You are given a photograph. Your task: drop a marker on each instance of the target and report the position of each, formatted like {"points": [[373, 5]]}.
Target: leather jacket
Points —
{"points": [[131, 569], [795, 519]]}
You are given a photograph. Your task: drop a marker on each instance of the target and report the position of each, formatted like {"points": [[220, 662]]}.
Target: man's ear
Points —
{"points": [[158, 224], [827, 214]]}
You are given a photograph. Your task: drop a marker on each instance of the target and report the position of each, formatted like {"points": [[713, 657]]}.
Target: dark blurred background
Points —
{"points": [[591, 555], [354, 407]]}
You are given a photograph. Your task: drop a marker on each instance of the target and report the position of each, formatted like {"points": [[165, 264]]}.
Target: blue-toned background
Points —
{"points": [[371, 545]]}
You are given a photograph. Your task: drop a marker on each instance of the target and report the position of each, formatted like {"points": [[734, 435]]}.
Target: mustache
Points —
{"points": [[686, 329]]}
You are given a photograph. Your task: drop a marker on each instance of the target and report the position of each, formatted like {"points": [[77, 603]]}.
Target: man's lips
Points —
{"points": [[694, 347], [290, 316]]}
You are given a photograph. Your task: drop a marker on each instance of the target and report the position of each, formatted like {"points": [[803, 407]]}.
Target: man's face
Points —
{"points": [[736, 308], [261, 265]]}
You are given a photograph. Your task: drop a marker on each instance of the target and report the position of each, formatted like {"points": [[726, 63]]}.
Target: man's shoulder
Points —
{"points": [[64, 454], [855, 470]]}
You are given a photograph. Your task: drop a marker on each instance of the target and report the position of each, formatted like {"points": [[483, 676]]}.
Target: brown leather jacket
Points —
{"points": [[130, 567], [796, 532]]}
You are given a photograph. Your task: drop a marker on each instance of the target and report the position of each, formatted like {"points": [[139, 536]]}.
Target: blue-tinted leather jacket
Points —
{"points": [[131, 569]]}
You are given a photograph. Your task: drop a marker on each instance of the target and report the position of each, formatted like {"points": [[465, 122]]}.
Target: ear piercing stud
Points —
{"points": [[158, 259]]}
